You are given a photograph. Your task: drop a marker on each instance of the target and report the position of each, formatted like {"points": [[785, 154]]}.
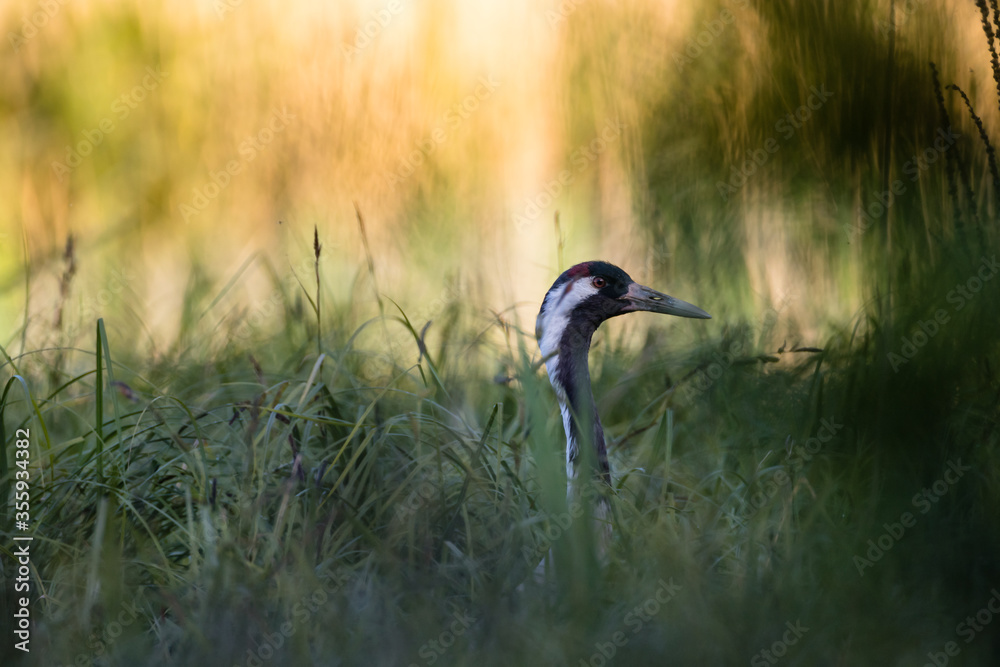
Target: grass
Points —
{"points": [[360, 501], [345, 471]]}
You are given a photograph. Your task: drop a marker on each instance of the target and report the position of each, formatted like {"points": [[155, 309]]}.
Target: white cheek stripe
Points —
{"points": [[559, 305]]}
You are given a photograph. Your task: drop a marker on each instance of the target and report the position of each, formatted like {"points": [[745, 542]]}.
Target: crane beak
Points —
{"points": [[640, 297]]}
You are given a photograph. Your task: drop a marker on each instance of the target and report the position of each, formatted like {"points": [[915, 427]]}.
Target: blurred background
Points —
{"points": [[192, 145], [242, 189]]}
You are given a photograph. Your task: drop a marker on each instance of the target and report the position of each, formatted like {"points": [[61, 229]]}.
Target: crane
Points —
{"points": [[578, 302]]}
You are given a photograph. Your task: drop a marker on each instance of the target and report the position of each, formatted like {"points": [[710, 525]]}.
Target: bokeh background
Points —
{"points": [[116, 117], [316, 236]]}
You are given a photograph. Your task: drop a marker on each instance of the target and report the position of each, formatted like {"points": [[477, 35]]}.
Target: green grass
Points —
{"points": [[209, 499]]}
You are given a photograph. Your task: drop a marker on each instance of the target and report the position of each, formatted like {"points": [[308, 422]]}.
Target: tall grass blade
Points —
{"points": [[99, 404]]}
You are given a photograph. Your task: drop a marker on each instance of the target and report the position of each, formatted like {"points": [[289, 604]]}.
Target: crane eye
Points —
{"points": [[599, 282]]}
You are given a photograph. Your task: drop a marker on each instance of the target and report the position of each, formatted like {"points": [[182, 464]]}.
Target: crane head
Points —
{"points": [[591, 292]]}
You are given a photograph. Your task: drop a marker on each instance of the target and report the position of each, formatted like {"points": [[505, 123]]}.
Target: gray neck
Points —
{"points": [[576, 402]]}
